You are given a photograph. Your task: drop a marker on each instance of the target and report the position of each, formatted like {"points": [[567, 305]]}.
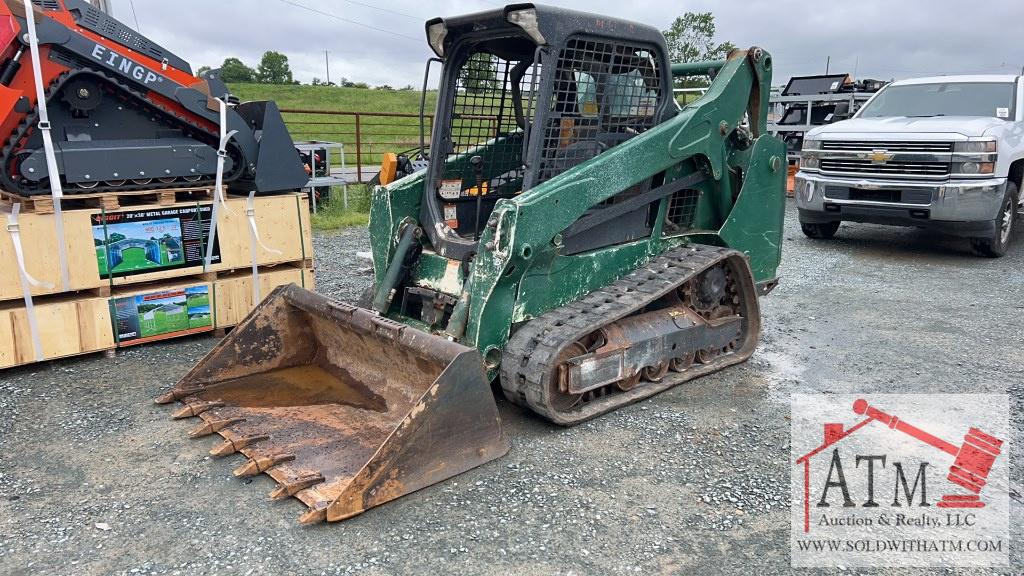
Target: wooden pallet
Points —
{"points": [[43, 204], [81, 324]]}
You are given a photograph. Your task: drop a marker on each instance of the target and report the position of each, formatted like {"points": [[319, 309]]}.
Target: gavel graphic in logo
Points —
{"points": [[972, 460]]}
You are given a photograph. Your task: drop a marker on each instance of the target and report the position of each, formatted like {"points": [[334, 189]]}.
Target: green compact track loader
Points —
{"points": [[578, 239]]}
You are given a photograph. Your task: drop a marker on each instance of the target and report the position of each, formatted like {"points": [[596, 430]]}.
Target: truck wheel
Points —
{"points": [[820, 231], [995, 246]]}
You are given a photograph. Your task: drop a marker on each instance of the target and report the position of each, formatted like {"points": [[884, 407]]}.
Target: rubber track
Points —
{"points": [[528, 358], [169, 119]]}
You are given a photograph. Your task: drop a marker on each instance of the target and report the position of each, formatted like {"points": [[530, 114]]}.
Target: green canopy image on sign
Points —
{"points": [[159, 315], [145, 241]]}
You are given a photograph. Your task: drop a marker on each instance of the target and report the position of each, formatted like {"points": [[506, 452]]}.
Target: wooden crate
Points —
{"points": [[283, 223], [67, 326], [42, 261], [71, 325], [233, 294]]}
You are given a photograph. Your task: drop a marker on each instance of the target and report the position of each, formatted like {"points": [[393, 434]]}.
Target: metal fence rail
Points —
{"points": [[366, 135]]}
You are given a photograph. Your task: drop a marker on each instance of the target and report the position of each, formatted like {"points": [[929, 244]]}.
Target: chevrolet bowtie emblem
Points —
{"points": [[880, 156]]}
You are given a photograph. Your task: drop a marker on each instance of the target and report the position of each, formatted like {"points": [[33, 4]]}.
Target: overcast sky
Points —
{"points": [[875, 38]]}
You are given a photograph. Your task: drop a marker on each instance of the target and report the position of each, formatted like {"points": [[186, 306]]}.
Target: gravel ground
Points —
{"points": [[95, 479]]}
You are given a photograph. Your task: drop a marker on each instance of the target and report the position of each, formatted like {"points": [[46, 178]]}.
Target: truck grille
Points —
{"points": [[894, 169], [859, 146]]}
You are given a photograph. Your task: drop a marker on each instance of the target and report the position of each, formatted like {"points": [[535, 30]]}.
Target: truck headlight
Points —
{"points": [[975, 146], [808, 161], [811, 144], [974, 168]]}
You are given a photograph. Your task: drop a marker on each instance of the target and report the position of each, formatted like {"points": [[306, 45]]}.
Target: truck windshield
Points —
{"points": [[994, 99]]}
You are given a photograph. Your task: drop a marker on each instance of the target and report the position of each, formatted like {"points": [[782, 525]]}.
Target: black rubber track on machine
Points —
{"points": [[534, 352]]}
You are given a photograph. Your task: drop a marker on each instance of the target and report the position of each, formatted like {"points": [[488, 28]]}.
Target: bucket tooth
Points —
{"points": [[230, 446], [261, 464], [291, 487], [177, 394], [316, 514], [212, 426], [191, 409]]}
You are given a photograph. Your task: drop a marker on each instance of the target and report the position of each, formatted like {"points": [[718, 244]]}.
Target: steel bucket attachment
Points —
{"points": [[345, 409]]}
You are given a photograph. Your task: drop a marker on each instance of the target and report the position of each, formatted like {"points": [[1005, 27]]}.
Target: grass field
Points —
{"points": [[378, 135], [200, 318], [336, 99], [134, 259], [163, 323], [197, 301], [332, 215]]}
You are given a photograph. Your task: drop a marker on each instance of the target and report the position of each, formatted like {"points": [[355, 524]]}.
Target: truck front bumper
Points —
{"points": [[960, 207]]}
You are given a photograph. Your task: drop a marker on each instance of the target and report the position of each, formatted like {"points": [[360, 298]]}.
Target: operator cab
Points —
{"points": [[528, 92]]}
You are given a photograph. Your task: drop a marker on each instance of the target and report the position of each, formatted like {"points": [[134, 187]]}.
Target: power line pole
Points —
{"points": [[327, 62], [828, 62]]}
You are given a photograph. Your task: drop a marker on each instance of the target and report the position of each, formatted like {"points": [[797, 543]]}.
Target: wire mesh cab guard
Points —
{"points": [[518, 107], [490, 113]]}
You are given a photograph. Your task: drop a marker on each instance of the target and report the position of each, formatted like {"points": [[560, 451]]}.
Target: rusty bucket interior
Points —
{"points": [[344, 409]]}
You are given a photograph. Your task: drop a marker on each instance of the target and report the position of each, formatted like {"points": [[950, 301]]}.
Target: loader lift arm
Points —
{"points": [[698, 139]]}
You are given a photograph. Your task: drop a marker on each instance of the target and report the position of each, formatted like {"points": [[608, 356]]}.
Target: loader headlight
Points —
{"points": [[436, 33], [527, 20]]}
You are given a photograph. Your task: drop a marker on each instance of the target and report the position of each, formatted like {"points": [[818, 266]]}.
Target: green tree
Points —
{"points": [[202, 70], [234, 70], [117, 237], [274, 69], [480, 73], [691, 38]]}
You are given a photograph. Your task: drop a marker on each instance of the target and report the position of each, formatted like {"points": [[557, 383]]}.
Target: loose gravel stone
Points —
{"points": [[694, 480]]}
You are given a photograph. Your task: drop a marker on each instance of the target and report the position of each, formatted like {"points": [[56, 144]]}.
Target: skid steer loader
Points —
{"points": [[124, 112], [576, 237]]}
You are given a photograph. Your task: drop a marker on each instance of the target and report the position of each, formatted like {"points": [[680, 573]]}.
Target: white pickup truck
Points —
{"points": [[945, 153]]}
